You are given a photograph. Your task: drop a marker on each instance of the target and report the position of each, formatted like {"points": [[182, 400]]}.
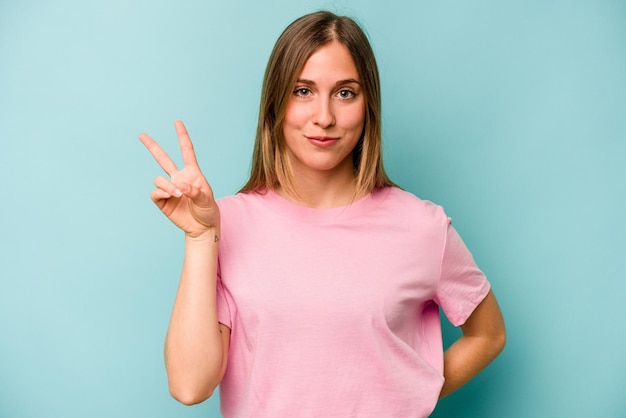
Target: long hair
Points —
{"points": [[301, 39]]}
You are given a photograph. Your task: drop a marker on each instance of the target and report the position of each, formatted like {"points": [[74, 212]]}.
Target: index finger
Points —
{"points": [[186, 147], [159, 154]]}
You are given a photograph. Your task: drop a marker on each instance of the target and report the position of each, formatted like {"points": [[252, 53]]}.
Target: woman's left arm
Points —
{"points": [[483, 339]]}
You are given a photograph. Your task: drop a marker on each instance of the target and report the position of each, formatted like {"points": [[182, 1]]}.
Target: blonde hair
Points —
{"points": [[270, 164]]}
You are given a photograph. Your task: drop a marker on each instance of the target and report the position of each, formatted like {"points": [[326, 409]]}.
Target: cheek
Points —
{"points": [[355, 119], [294, 116]]}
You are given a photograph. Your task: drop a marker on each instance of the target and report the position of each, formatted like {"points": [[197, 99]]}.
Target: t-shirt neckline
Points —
{"points": [[324, 215]]}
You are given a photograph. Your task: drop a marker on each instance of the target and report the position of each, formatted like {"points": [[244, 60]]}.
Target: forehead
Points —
{"points": [[331, 61]]}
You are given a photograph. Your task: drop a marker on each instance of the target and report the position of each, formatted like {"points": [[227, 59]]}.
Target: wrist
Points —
{"points": [[210, 236]]}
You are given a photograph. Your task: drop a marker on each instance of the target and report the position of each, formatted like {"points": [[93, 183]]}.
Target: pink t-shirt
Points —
{"points": [[334, 312]]}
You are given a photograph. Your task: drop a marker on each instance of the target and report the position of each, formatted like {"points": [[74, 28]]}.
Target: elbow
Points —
{"points": [[193, 385], [493, 342], [190, 395], [498, 342]]}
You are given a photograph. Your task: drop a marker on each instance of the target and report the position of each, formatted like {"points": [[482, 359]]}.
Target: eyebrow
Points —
{"points": [[338, 83]]}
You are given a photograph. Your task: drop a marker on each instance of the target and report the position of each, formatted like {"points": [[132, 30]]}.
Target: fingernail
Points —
{"points": [[178, 193]]}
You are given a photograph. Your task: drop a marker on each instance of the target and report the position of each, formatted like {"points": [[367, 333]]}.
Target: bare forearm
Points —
{"points": [[466, 358], [484, 336], [193, 348]]}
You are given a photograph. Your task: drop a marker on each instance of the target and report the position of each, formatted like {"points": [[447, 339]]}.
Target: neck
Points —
{"points": [[317, 190]]}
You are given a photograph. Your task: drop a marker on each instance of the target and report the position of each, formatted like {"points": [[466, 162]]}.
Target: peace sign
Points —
{"points": [[186, 198]]}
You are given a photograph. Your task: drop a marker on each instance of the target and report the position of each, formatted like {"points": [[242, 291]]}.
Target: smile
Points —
{"points": [[322, 141]]}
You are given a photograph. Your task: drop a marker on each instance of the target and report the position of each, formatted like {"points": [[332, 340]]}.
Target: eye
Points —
{"points": [[302, 92], [346, 94]]}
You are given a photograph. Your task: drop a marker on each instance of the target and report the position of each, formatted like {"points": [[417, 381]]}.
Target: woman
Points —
{"points": [[315, 291]]}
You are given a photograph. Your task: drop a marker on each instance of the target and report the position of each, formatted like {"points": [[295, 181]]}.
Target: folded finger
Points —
{"points": [[158, 196], [167, 186], [196, 194], [159, 154]]}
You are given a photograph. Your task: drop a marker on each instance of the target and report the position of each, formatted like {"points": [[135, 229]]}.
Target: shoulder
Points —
{"points": [[241, 214], [240, 201], [407, 204], [247, 208]]}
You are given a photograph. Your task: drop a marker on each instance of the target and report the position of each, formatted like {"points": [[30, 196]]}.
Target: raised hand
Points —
{"points": [[186, 198]]}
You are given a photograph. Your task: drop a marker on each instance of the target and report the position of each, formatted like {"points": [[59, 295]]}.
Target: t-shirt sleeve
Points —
{"points": [[223, 303], [462, 285]]}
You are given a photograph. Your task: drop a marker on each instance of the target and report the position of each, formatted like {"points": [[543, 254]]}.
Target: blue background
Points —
{"points": [[512, 115]]}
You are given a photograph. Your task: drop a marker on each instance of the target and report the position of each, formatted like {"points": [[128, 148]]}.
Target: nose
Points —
{"points": [[324, 116]]}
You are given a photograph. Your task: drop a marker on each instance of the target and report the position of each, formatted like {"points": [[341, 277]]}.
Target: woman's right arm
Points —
{"points": [[196, 346]]}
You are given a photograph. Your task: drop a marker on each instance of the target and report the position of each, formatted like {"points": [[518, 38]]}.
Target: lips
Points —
{"points": [[322, 141]]}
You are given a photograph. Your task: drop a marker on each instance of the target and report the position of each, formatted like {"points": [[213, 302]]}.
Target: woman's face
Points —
{"points": [[325, 115]]}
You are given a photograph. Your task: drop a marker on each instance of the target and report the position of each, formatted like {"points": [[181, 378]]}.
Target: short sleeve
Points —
{"points": [[223, 305], [462, 285]]}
